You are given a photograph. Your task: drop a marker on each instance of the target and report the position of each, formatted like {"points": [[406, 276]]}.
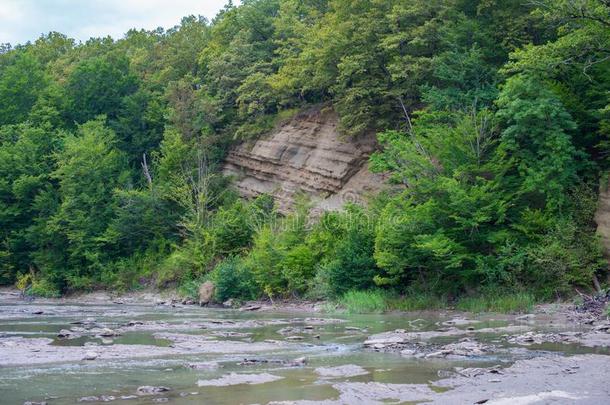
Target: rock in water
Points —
{"points": [[150, 390], [206, 293], [66, 334], [90, 356], [89, 399], [238, 379], [298, 362], [348, 370], [107, 332], [206, 365]]}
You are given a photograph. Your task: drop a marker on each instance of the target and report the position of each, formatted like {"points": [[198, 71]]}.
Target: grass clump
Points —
{"points": [[364, 302], [417, 302], [504, 303]]}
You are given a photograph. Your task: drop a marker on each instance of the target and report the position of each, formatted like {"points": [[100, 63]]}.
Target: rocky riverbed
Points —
{"points": [[146, 349]]}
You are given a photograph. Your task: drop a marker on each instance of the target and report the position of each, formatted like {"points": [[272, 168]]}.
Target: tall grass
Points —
{"points": [[418, 302], [378, 301], [364, 302], [503, 303]]}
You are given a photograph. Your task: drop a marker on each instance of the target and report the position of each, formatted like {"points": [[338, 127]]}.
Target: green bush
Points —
{"points": [[132, 272], [44, 288], [298, 267], [190, 289], [233, 280], [264, 261], [353, 266], [343, 244]]}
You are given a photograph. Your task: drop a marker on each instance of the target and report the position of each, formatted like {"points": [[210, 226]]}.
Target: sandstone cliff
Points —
{"points": [[306, 154]]}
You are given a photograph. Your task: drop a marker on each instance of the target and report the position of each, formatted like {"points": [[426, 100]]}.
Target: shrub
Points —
{"points": [[264, 262], [354, 266], [190, 289], [343, 244], [233, 280], [44, 288], [130, 273], [298, 267]]}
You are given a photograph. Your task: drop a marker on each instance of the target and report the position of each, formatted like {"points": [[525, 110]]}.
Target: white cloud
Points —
{"points": [[26, 20]]}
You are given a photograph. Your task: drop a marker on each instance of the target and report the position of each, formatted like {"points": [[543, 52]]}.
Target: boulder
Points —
{"points": [[206, 293]]}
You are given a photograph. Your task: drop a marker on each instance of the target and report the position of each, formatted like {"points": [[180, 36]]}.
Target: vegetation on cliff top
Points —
{"points": [[493, 119]]}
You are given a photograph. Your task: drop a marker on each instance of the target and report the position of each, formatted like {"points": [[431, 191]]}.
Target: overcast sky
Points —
{"points": [[25, 20]]}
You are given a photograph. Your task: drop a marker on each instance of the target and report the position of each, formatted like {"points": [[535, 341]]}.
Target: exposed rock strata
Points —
{"points": [[306, 154]]}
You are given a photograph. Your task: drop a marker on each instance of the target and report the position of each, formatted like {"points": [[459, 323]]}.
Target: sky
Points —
{"points": [[26, 20]]}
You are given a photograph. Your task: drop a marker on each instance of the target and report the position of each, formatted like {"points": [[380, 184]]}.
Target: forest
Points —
{"points": [[493, 124]]}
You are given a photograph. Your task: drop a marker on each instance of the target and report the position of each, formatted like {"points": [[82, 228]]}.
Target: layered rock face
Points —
{"points": [[306, 154], [602, 216]]}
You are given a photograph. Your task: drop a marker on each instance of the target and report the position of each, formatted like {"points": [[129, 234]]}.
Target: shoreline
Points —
{"points": [[562, 312]]}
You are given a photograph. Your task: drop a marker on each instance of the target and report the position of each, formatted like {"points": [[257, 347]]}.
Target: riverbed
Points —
{"points": [[146, 352]]}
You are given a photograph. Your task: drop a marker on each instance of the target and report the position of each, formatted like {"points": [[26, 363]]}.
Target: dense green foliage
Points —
{"points": [[493, 119]]}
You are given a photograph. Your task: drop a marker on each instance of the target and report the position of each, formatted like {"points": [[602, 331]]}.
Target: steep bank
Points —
{"points": [[306, 154]]}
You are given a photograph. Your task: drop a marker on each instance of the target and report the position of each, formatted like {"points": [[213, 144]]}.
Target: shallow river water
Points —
{"points": [[157, 347]]}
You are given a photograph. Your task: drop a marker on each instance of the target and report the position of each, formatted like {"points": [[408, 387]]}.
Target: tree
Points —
{"points": [[536, 146], [26, 161], [89, 168], [98, 85], [440, 227], [21, 80]]}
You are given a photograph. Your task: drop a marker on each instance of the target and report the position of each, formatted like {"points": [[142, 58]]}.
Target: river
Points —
{"points": [[129, 353]]}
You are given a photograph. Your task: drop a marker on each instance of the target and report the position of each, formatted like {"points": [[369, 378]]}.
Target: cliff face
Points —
{"points": [[602, 217], [306, 154]]}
